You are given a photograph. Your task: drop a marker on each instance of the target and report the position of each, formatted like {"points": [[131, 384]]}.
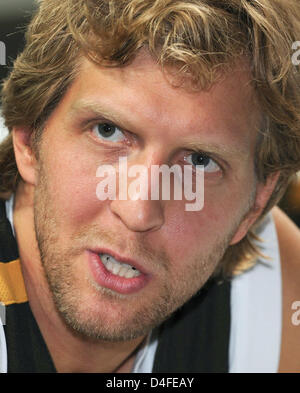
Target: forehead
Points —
{"points": [[139, 97], [145, 75]]}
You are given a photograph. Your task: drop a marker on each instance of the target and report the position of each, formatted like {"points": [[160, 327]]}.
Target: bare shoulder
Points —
{"points": [[288, 237]]}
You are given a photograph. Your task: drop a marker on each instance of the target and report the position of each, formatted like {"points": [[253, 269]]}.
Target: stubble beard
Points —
{"points": [[59, 271]]}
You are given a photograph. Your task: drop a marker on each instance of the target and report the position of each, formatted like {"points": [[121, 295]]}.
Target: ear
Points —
{"points": [[263, 193], [25, 157]]}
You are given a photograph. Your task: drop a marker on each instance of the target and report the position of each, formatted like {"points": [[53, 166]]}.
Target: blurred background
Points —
{"points": [[14, 16]]}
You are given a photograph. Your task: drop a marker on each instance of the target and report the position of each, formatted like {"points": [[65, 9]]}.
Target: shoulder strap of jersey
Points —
{"points": [[12, 288], [196, 338], [8, 246]]}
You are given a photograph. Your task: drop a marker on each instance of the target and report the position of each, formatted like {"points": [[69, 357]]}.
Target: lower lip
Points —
{"points": [[106, 279]]}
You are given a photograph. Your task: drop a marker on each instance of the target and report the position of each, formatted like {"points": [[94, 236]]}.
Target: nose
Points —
{"points": [[134, 206], [139, 215]]}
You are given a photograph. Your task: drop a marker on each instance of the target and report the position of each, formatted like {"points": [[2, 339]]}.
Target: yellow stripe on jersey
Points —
{"points": [[12, 288]]}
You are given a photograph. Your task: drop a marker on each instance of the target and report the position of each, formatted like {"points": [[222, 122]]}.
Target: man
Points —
{"points": [[157, 82]]}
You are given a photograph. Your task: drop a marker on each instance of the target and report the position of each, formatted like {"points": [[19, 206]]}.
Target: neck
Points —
{"points": [[69, 351]]}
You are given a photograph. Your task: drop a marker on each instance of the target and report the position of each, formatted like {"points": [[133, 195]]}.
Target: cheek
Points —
{"points": [[77, 199], [188, 234], [199, 233], [71, 183]]}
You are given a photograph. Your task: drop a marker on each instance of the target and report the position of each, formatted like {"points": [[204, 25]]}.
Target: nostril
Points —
{"points": [[139, 216]]}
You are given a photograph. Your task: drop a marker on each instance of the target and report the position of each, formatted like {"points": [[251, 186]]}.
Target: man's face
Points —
{"points": [[134, 112]]}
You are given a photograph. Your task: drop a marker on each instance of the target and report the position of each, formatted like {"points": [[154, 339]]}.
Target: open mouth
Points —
{"points": [[118, 268], [115, 273]]}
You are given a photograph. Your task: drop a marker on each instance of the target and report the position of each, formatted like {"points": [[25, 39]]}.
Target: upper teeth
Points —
{"points": [[118, 268]]}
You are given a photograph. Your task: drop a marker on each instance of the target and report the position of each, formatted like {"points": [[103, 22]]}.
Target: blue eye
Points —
{"points": [[207, 162], [108, 132]]}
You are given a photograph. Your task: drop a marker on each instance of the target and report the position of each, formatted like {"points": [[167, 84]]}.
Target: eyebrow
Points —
{"points": [[100, 111], [95, 109], [220, 150]]}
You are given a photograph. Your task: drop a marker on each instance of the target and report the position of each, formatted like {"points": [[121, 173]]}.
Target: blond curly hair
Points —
{"points": [[195, 40]]}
